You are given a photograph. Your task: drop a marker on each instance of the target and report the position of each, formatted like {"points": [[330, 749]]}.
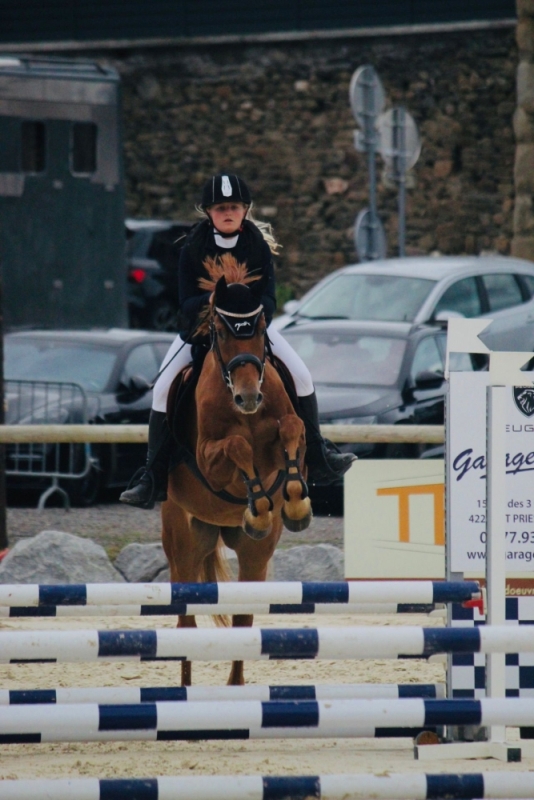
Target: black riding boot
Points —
{"points": [[152, 483], [325, 463]]}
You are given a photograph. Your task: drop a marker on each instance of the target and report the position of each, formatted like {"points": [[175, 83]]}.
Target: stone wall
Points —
{"points": [[279, 115], [523, 241]]}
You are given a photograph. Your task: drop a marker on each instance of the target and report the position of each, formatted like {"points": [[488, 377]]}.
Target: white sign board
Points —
{"points": [[394, 520], [466, 474]]}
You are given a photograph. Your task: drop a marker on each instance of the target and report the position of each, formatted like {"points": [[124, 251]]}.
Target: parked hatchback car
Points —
{"points": [[112, 371], [368, 373], [152, 251], [426, 289]]}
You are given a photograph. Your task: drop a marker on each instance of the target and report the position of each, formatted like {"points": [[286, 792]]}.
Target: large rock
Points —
{"points": [[142, 563], [320, 562], [165, 575], [58, 557]]}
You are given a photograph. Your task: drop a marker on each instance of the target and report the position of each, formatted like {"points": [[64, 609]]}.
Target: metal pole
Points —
{"points": [[399, 145], [370, 142], [495, 542], [3, 501]]}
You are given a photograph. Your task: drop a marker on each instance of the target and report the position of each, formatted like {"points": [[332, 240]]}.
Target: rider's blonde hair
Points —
{"points": [[265, 228]]}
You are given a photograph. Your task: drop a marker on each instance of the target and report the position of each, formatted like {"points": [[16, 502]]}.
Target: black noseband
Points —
{"points": [[237, 361], [241, 360]]}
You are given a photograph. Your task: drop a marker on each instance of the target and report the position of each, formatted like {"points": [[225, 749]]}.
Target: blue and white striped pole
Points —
{"points": [[415, 786], [252, 644], [280, 593], [203, 608], [248, 719], [123, 695]]}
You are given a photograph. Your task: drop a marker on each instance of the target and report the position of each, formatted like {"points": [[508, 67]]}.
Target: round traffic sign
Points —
{"points": [[398, 138], [366, 94]]}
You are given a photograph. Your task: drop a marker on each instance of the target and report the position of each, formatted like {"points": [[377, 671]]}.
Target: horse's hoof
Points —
{"points": [[255, 533], [295, 525]]}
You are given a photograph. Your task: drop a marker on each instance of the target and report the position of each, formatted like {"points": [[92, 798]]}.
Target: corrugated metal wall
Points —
{"points": [[60, 20]]}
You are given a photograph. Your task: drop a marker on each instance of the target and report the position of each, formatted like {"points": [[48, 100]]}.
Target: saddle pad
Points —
{"points": [[181, 394]]}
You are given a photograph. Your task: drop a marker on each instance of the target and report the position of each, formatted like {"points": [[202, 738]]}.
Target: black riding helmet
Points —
{"points": [[225, 189]]}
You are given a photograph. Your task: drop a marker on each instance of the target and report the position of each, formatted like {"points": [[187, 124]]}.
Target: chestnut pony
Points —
{"points": [[249, 446]]}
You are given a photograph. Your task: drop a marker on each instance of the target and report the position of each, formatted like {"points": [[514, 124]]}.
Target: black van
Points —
{"points": [[62, 254], [152, 251]]}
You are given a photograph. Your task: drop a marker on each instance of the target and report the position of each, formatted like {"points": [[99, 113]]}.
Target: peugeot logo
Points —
{"points": [[524, 400]]}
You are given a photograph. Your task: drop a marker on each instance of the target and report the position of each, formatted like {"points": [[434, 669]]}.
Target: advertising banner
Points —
{"points": [[466, 474], [394, 520]]}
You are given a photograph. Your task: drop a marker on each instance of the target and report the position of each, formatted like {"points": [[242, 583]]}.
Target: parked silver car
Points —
{"points": [[429, 289]]}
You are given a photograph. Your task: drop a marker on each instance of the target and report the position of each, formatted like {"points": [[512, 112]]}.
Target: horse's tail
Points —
{"points": [[215, 569]]}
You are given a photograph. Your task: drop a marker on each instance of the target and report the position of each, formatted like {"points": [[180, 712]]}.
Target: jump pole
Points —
{"points": [[334, 592], [248, 719], [252, 644], [199, 609], [414, 786], [124, 695]]}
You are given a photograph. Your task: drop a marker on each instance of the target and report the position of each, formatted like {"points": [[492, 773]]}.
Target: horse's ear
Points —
{"points": [[221, 292]]}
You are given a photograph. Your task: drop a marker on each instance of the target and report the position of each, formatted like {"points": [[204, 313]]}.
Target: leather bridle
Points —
{"points": [[237, 361]]}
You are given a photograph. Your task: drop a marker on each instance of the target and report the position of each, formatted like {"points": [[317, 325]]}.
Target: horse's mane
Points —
{"points": [[226, 265], [216, 267]]}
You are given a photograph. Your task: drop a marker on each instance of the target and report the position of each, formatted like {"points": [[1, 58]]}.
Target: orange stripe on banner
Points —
{"points": [[404, 493]]}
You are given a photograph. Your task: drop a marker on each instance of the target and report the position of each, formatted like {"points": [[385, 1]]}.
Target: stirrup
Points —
{"points": [[136, 478], [151, 490]]}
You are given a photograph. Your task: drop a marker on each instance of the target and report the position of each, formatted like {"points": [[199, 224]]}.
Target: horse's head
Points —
{"points": [[238, 341]]}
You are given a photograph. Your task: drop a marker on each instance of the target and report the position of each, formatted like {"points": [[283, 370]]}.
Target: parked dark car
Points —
{"points": [[114, 369], [152, 252], [369, 373]]}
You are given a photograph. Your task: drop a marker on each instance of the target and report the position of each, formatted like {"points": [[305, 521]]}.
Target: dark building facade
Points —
{"points": [[102, 20]]}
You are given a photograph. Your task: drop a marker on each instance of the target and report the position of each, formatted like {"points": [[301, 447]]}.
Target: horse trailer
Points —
{"points": [[62, 240]]}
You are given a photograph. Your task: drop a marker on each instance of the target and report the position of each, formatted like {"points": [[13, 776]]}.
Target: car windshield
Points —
{"points": [[75, 362], [392, 298], [349, 359]]}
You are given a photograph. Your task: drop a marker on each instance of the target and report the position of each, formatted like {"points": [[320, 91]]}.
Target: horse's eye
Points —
{"points": [[221, 334]]}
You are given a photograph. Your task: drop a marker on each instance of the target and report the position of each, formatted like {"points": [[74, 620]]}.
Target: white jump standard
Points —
{"points": [[249, 719], [252, 644]]}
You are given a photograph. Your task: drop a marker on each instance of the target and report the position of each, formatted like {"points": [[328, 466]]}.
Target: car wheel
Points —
{"points": [[84, 492], [163, 316]]}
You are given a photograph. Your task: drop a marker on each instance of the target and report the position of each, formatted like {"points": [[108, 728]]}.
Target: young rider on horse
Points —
{"points": [[226, 202]]}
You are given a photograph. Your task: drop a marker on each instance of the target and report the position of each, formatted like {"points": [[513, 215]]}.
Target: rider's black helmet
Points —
{"points": [[225, 189]]}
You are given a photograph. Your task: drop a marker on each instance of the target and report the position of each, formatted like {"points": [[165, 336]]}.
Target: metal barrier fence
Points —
{"points": [[38, 404]]}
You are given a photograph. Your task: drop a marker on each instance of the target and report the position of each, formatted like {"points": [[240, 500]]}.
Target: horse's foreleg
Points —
{"points": [[186, 622], [296, 511], [257, 518], [187, 542], [253, 558]]}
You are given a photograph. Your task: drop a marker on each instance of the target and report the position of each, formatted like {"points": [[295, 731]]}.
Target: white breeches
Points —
{"points": [[281, 348]]}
